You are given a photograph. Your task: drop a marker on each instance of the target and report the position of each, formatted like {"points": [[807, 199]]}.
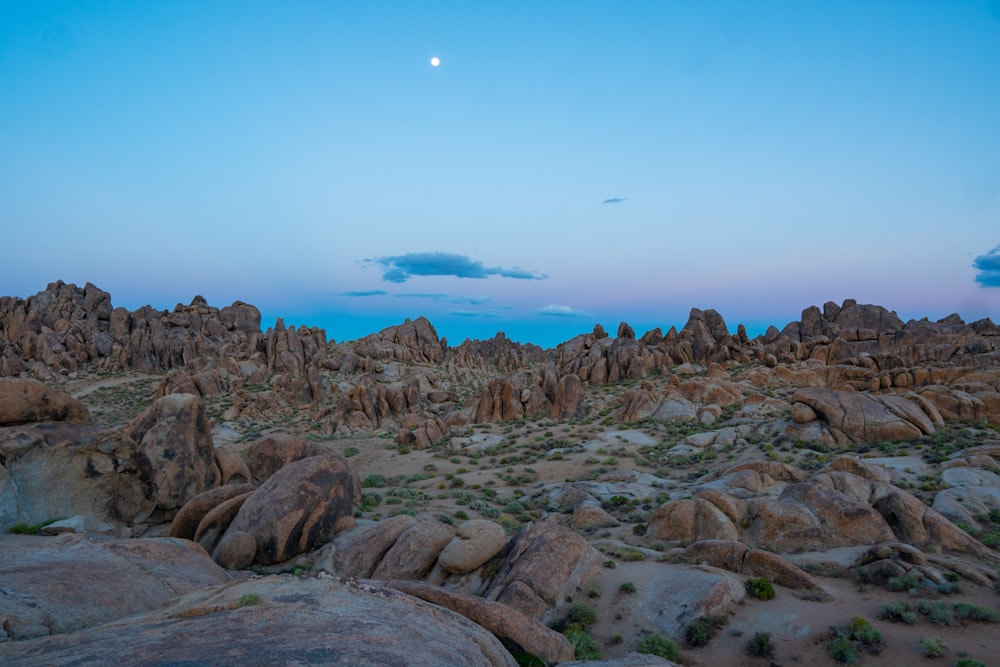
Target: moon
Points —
{"points": [[435, 61]]}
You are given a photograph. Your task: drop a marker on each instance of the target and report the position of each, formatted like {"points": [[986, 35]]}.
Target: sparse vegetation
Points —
{"points": [[760, 645], [249, 599], [760, 588], [933, 647], [658, 645]]}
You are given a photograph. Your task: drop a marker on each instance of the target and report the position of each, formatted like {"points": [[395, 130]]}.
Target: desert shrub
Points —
{"points": [[627, 587], [971, 612], [373, 480], [760, 588], [904, 582], [898, 611], [370, 501], [30, 528], [249, 599], [939, 613], [969, 662], [866, 635], [584, 646], [658, 645], [933, 647], [842, 650], [528, 660], [351, 451], [582, 615], [697, 632], [760, 644]]}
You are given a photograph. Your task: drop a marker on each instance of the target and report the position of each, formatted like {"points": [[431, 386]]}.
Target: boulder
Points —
{"points": [[867, 418], [358, 552], [272, 453], [185, 523], [236, 550], [540, 565], [517, 632], [300, 507], [413, 554], [684, 593], [475, 542], [55, 585], [102, 476], [23, 401], [690, 520], [174, 433], [215, 522], [308, 622]]}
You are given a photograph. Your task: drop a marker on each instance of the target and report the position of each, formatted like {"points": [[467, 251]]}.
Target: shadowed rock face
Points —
{"points": [[23, 401], [294, 621]]}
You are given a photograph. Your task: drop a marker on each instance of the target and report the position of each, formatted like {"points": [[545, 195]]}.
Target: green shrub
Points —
{"points": [[584, 646], [969, 662], [30, 528], [904, 582], [760, 588], [760, 644], [373, 480], [971, 612], [697, 632], [351, 451], [582, 615], [898, 611], [658, 645], [939, 613], [933, 647], [627, 587], [249, 599], [528, 660], [842, 650]]}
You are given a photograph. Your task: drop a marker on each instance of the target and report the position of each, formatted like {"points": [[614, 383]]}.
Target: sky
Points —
{"points": [[566, 164]]}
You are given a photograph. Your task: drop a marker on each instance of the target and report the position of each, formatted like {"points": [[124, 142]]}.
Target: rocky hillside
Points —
{"points": [[609, 495]]}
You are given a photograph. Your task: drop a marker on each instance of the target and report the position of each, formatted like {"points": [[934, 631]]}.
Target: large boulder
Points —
{"points": [[174, 433], [413, 554], [684, 593], [307, 621], [540, 565], [102, 476], [358, 552], [272, 453], [185, 523], [300, 507], [23, 401], [518, 633], [867, 418], [475, 542], [689, 520], [62, 584]]}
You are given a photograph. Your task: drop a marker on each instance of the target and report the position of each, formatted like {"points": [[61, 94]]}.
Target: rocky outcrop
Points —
{"points": [[862, 417], [300, 507], [690, 520], [175, 435], [414, 552], [186, 521], [475, 542], [37, 572], [270, 454], [737, 557], [102, 476], [308, 621], [358, 552]]}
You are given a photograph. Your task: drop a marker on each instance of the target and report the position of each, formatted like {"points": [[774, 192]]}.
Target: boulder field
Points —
{"points": [[491, 503]]}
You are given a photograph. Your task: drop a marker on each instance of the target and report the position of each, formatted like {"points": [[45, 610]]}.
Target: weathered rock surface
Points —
{"points": [[413, 554], [517, 632], [358, 552], [475, 542], [685, 593], [102, 476], [270, 454], [308, 621], [175, 435], [185, 522], [108, 580], [300, 507], [867, 418], [23, 401]]}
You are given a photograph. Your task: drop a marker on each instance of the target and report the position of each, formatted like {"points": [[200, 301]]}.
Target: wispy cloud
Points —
{"points": [[555, 310], [488, 313], [374, 292], [400, 268], [470, 300], [614, 200], [988, 266]]}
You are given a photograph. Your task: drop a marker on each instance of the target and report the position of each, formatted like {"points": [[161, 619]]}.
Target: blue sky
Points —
{"points": [[566, 164]]}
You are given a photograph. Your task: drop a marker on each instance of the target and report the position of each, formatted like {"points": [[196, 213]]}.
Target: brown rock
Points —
{"points": [[359, 552], [186, 521], [412, 555], [270, 454], [592, 516], [233, 469], [236, 550], [23, 401], [690, 520], [174, 433], [518, 633], [867, 418], [217, 520], [475, 542], [300, 507]]}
